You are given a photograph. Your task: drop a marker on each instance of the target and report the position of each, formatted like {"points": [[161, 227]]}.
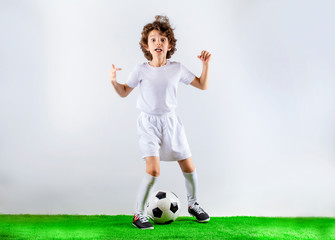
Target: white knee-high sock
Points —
{"points": [[191, 182], [145, 189]]}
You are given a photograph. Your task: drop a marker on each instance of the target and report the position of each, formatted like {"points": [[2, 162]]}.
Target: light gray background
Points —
{"points": [[262, 135]]}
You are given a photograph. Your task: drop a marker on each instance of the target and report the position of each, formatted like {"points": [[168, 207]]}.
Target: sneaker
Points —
{"points": [[199, 213], [140, 221]]}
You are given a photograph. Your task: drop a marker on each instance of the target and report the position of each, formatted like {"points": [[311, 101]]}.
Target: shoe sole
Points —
{"points": [[204, 221], [143, 228]]}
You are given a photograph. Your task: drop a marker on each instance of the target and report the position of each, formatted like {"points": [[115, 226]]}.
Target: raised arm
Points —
{"points": [[202, 82], [122, 89]]}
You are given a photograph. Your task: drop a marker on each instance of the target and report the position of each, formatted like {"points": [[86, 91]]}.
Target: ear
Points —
{"points": [[146, 46]]}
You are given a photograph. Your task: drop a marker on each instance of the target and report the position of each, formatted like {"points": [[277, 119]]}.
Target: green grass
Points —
{"points": [[119, 227]]}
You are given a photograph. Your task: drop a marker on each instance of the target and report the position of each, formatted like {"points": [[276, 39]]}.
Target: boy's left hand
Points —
{"points": [[205, 56]]}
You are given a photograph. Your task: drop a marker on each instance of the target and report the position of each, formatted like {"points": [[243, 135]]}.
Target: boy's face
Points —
{"points": [[158, 44]]}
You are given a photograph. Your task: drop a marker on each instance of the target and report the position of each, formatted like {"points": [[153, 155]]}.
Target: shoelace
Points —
{"points": [[143, 218], [198, 209]]}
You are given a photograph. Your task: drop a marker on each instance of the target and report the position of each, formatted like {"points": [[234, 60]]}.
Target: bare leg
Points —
{"points": [[152, 166], [186, 165]]}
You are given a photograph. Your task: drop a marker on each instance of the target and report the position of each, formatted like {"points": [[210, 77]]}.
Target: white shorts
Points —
{"points": [[162, 136]]}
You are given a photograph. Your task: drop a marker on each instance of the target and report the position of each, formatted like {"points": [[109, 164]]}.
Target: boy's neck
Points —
{"points": [[158, 62]]}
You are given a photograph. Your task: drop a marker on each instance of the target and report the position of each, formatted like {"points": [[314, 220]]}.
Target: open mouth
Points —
{"points": [[158, 50]]}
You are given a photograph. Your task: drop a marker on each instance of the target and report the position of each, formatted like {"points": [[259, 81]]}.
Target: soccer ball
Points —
{"points": [[163, 207]]}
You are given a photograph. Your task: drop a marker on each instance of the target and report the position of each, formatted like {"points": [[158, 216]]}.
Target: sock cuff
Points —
{"points": [[190, 174], [149, 178]]}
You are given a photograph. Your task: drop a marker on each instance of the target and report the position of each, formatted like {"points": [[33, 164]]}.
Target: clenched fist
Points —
{"points": [[205, 56]]}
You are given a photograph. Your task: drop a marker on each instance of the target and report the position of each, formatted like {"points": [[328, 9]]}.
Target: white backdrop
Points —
{"points": [[262, 135]]}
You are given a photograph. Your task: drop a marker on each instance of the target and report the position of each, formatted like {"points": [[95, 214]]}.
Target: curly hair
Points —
{"points": [[161, 24]]}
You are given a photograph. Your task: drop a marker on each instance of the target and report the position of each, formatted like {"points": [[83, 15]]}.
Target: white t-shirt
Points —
{"points": [[158, 86]]}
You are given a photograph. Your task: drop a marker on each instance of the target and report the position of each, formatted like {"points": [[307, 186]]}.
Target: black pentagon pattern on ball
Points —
{"points": [[161, 195], [157, 212], [174, 207]]}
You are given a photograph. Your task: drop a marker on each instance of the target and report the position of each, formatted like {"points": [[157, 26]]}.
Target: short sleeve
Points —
{"points": [[186, 76], [133, 78]]}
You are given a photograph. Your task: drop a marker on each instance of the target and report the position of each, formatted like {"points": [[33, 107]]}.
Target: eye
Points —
{"points": [[163, 39], [152, 39]]}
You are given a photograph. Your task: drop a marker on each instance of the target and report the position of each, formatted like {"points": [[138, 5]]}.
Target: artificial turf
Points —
{"points": [[119, 227]]}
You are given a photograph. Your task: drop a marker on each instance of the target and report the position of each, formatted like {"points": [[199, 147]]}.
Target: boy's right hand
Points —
{"points": [[113, 73]]}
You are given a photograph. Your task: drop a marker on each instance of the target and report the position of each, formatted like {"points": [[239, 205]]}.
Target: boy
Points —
{"points": [[160, 129]]}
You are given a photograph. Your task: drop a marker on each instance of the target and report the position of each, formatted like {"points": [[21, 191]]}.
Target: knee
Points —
{"points": [[187, 165], [153, 172], [189, 169]]}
